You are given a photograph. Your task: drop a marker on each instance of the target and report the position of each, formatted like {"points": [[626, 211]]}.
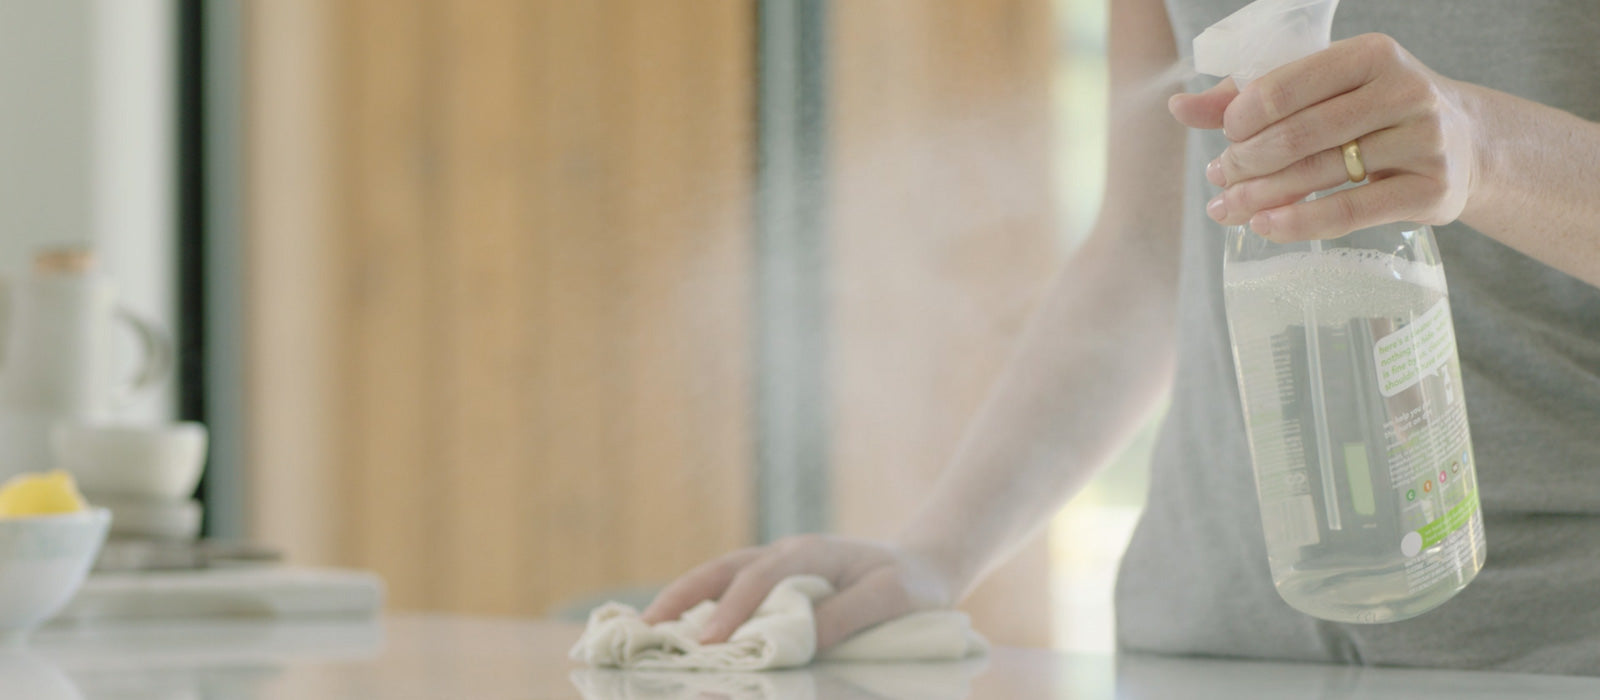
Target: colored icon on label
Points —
{"points": [[1427, 485], [1411, 494], [1465, 458], [1455, 467], [1442, 476]]}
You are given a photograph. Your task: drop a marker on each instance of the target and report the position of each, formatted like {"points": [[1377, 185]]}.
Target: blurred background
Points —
{"points": [[526, 304]]}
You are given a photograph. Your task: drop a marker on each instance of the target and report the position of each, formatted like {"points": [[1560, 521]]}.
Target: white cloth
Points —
{"points": [[781, 634]]}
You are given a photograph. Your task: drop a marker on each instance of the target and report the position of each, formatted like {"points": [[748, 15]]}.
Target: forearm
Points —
{"points": [[1537, 184], [1099, 349], [1095, 358]]}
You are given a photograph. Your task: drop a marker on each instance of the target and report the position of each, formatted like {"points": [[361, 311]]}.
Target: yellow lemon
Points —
{"points": [[40, 494]]}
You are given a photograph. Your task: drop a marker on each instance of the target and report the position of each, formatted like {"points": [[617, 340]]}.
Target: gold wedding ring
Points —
{"points": [[1353, 166]]}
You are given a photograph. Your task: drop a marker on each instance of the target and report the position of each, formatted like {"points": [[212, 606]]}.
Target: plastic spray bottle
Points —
{"points": [[1346, 358]]}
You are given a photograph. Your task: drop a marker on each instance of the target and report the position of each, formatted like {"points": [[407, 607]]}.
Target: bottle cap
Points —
{"points": [[1262, 36]]}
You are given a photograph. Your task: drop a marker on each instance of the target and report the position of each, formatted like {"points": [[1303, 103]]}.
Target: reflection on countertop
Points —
{"points": [[842, 681], [426, 657], [212, 660], [24, 674], [1136, 677], [1142, 676]]}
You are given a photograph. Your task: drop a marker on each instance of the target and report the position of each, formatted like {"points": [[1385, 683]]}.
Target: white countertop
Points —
{"points": [[406, 657]]}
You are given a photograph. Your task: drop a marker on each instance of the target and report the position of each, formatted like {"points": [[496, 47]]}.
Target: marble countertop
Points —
{"points": [[428, 657]]}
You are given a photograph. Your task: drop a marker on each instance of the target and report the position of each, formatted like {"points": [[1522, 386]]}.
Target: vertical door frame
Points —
{"points": [[791, 344], [211, 262]]}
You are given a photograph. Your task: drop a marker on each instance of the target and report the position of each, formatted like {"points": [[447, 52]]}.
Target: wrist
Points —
{"points": [[940, 561], [1479, 108]]}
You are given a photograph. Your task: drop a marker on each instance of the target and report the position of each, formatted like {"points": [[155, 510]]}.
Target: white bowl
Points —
{"points": [[160, 461], [43, 561], [150, 518]]}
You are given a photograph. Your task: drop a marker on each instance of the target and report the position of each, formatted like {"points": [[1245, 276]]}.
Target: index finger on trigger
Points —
{"points": [[1203, 110]]}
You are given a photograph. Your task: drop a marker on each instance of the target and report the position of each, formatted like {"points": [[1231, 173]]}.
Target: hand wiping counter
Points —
{"points": [[781, 634]]}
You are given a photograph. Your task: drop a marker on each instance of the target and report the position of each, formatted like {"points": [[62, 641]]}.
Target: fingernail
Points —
{"points": [[1214, 173], [1172, 102], [1217, 209], [707, 634], [1262, 224]]}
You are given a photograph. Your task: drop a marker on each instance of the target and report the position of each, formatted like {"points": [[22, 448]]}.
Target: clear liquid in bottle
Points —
{"points": [[1352, 397]]}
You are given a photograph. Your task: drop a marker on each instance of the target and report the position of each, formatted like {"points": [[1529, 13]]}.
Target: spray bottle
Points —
{"points": [[1350, 385]]}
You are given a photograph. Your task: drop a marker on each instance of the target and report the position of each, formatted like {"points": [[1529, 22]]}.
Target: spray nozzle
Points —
{"points": [[1262, 36]]}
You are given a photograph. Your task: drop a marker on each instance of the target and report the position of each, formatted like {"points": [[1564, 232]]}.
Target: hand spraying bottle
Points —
{"points": [[1351, 388]]}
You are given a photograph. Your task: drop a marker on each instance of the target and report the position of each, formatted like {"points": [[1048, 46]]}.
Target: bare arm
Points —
{"points": [[1538, 182], [1096, 355], [1099, 350]]}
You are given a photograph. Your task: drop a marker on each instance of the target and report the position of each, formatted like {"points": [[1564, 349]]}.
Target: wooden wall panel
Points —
{"points": [[387, 457], [535, 258], [488, 255], [290, 377], [943, 235]]}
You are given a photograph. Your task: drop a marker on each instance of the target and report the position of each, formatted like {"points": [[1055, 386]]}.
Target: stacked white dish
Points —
{"points": [[145, 475]]}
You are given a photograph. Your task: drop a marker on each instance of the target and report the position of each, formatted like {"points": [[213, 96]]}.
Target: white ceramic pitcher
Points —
{"points": [[57, 362]]}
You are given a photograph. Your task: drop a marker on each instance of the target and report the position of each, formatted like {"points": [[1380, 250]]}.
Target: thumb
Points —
{"points": [[1203, 110], [878, 597]]}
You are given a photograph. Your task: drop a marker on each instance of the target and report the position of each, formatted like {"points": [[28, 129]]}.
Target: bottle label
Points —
{"points": [[1428, 445], [1423, 347]]}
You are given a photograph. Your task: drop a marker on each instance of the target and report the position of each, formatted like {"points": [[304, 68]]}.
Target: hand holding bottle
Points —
{"points": [[1416, 138]]}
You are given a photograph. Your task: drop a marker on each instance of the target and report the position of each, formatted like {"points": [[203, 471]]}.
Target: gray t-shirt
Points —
{"points": [[1195, 579]]}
